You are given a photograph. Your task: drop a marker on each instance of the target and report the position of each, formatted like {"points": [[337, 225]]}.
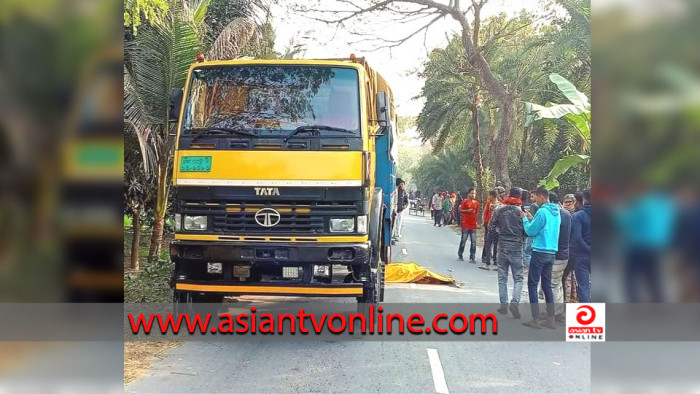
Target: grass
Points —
{"points": [[151, 283]]}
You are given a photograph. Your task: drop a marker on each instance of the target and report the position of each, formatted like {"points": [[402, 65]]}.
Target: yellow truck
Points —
{"points": [[284, 177]]}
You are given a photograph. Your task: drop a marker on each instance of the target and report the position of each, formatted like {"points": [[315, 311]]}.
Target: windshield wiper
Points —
{"points": [[316, 129], [219, 130]]}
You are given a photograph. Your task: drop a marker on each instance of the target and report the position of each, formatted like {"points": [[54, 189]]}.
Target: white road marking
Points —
{"points": [[404, 251], [438, 374], [412, 285]]}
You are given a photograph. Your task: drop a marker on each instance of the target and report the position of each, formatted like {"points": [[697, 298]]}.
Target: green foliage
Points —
{"points": [[560, 167], [448, 92], [409, 157], [568, 43], [151, 284], [522, 53], [160, 57], [153, 11], [404, 123], [450, 169], [221, 13], [577, 115]]}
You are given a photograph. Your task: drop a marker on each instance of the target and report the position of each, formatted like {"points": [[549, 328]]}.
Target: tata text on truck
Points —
{"points": [[284, 180]]}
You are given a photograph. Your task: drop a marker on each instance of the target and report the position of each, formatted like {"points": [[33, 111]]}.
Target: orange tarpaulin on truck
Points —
{"points": [[414, 273]]}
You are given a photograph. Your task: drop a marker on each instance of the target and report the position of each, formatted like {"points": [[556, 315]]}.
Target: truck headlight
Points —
{"points": [[178, 222], [362, 224], [195, 223], [342, 225]]}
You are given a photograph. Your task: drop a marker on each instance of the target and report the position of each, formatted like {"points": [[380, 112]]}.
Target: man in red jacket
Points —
{"points": [[490, 237], [469, 210]]}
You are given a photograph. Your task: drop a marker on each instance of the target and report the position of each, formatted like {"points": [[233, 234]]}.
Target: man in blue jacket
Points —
{"points": [[561, 260], [580, 248], [544, 230]]}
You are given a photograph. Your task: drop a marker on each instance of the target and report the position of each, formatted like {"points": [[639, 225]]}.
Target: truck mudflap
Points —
{"points": [[272, 289]]}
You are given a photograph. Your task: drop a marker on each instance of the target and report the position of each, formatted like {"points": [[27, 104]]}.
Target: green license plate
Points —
{"points": [[195, 164]]}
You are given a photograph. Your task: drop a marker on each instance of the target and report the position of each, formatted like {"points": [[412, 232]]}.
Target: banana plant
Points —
{"points": [[577, 113]]}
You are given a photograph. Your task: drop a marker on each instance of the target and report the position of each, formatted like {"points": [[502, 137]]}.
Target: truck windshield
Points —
{"points": [[274, 100]]}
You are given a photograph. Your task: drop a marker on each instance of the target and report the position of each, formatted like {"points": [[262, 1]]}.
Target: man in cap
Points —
{"points": [[401, 205]]}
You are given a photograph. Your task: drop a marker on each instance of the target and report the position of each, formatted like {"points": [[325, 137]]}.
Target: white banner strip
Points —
{"points": [[264, 182]]}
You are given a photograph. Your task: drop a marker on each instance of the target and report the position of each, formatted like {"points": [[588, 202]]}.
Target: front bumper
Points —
{"points": [[269, 253], [272, 289], [261, 267]]}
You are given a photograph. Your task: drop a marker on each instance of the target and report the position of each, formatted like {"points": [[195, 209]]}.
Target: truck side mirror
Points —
{"points": [[175, 103], [383, 109]]}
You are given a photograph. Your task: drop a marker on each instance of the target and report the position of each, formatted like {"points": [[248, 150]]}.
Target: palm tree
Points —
{"points": [[158, 60], [448, 169], [568, 43], [454, 102]]}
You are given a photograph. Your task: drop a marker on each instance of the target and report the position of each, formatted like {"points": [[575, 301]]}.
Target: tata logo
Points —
{"points": [[267, 217], [267, 191]]}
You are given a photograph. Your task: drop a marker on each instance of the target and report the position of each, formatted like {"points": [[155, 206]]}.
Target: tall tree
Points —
{"points": [[138, 191], [433, 11], [160, 57], [158, 60]]}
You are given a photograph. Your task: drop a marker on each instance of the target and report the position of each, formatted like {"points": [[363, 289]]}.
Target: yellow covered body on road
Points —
{"points": [[414, 273]]}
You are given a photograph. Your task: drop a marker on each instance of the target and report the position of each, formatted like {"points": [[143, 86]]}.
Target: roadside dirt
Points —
{"points": [[138, 357]]}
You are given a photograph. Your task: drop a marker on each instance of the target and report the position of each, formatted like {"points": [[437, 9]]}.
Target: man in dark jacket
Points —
{"points": [[560, 259], [507, 222], [401, 205], [580, 247]]}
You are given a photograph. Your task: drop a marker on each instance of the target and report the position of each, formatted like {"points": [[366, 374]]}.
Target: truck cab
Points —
{"points": [[284, 180]]}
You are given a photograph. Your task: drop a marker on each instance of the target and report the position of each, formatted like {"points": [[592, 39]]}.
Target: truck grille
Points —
{"points": [[295, 217]]}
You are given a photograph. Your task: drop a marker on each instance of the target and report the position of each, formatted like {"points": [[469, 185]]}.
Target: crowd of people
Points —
{"points": [[534, 234]]}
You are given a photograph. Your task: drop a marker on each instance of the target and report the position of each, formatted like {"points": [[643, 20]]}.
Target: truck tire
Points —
{"points": [[385, 260], [373, 292], [375, 226]]}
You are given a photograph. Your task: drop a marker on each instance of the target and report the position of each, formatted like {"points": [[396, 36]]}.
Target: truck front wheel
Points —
{"points": [[374, 290]]}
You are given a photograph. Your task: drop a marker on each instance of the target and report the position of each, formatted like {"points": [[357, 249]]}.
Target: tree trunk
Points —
{"points": [[159, 211], [523, 148], [498, 90], [136, 240], [492, 139], [503, 140], [156, 239], [478, 163]]}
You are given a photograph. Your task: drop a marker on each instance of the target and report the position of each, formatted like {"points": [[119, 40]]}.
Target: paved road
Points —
{"points": [[383, 366]]}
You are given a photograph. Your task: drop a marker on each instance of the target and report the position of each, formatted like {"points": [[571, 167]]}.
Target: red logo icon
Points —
{"points": [[585, 316], [585, 322]]}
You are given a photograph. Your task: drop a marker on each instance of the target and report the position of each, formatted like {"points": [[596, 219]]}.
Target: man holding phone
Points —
{"points": [[544, 230]]}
